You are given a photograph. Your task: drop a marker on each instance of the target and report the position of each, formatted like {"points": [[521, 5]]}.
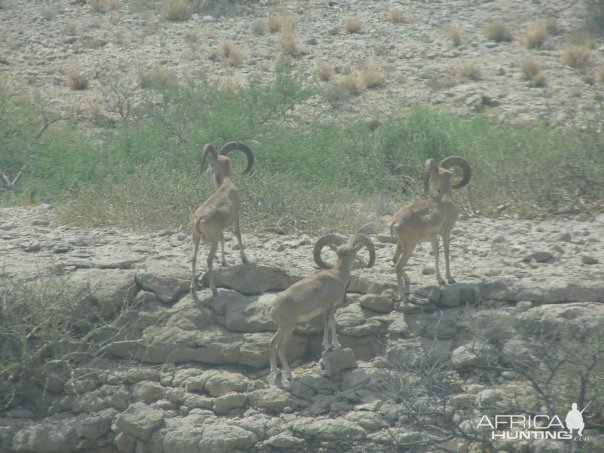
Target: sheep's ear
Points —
{"points": [[334, 247]]}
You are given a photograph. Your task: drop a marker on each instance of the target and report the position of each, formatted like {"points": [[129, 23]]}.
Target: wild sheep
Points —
{"points": [[316, 294], [220, 210], [424, 220]]}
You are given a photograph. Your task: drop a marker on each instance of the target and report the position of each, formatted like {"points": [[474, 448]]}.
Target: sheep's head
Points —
{"points": [[220, 164], [438, 175], [346, 251]]}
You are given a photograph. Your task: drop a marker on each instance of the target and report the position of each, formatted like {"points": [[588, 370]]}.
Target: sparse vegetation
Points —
{"points": [[396, 16], [48, 329], [373, 76], [576, 91], [287, 38], [536, 35], [324, 70], [103, 6], [498, 31], [287, 43], [274, 23], [151, 159], [353, 26], [72, 28], [176, 10], [76, 80], [351, 83], [469, 71], [454, 34], [577, 57], [532, 71], [594, 18], [153, 77], [227, 51]]}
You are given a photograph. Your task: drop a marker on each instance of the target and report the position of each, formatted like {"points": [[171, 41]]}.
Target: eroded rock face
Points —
{"points": [[183, 376]]}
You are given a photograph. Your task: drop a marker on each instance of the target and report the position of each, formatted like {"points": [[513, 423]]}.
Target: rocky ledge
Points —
{"points": [[178, 376]]}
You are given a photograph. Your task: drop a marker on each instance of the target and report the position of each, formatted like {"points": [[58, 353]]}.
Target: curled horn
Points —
{"points": [[457, 161], [232, 146], [330, 239], [361, 238], [208, 149], [430, 166]]}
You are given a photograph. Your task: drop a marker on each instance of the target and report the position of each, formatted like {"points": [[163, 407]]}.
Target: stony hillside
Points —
{"points": [[176, 376], [90, 60]]}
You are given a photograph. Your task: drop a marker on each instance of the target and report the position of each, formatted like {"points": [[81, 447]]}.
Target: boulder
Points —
{"points": [[475, 353], [56, 433], [229, 401], [167, 281], [222, 382], [140, 420], [96, 425], [104, 290], [338, 360], [274, 399], [222, 437], [251, 278], [329, 429]]}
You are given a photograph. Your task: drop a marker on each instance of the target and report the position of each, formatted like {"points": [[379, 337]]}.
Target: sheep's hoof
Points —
{"points": [[451, 280]]}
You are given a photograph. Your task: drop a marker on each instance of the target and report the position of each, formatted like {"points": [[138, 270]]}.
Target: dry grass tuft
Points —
{"points": [[576, 91], [104, 6], [76, 80], [274, 23], [71, 28], [287, 43], [227, 51], [577, 57], [373, 77], [396, 16], [352, 84], [469, 71], [353, 26], [287, 38], [532, 71], [454, 34], [583, 38], [537, 34], [176, 10], [156, 76], [498, 31], [324, 70]]}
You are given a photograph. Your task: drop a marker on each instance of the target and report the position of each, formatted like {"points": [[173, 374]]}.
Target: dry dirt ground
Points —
{"points": [[116, 44]]}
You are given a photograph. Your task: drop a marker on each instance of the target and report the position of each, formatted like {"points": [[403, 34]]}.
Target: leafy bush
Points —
{"points": [[145, 173]]}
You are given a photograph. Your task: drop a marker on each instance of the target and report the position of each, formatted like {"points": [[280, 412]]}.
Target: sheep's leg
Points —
{"points": [[285, 337], [450, 278], [335, 344], [238, 236], [439, 279], [397, 252], [223, 260], [193, 264], [272, 346], [211, 255], [326, 320], [400, 273]]}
